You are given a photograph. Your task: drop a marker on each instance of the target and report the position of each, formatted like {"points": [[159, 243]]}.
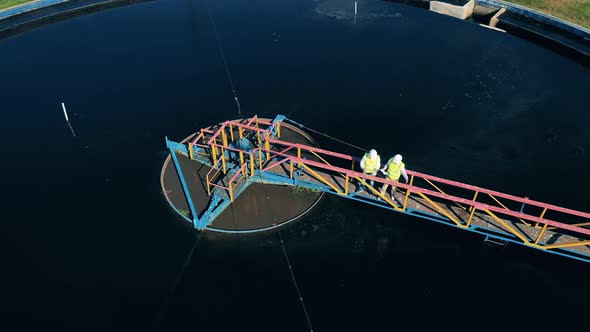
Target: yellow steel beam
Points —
{"points": [[214, 154], [540, 234], [222, 156], [231, 132], [510, 228], [322, 159], [231, 192], [378, 193], [470, 217], [346, 177], [568, 245], [440, 209], [203, 137], [244, 171], [291, 170], [190, 151], [346, 180], [208, 186], [252, 164], [267, 147], [471, 208], [408, 192], [541, 216], [258, 132], [241, 135], [505, 208], [278, 129], [224, 137], [320, 178], [442, 192]]}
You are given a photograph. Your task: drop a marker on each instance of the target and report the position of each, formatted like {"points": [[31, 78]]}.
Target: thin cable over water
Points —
{"points": [[220, 47], [172, 291], [295, 281], [326, 135]]}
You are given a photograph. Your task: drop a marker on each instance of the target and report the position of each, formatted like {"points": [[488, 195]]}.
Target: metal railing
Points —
{"points": [[272, 152]]}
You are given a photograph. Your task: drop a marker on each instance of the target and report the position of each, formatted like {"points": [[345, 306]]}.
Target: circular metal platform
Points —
{"points": [[260, 207]]}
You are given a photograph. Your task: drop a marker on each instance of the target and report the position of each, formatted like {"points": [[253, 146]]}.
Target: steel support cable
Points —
{"points": [[175, 283], [222, 54], [295, 281], [326, 135], [284, 249]]}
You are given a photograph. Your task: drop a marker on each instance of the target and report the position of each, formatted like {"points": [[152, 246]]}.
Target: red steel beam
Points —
{"points": [[499, 194], [245, 126], [453, 183], [275, 164], [414, 189], [241, 171], [309, 148]]}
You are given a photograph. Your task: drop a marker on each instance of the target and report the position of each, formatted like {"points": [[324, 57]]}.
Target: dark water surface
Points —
{"points": [[88, 243]]}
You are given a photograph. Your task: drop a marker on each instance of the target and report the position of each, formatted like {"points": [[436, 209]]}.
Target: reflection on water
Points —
{"points": [[367, 11], [91, 245]]}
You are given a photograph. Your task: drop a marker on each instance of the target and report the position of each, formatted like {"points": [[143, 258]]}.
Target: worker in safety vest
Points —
{"points": [[370, 164], [394, 168]]}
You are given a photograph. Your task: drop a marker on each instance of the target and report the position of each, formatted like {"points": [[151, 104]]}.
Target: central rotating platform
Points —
{"points": [[259, 207]]}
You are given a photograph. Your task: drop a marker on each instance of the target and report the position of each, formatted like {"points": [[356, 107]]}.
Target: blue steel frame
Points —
{"points": [[263, 177], [172, 146]]}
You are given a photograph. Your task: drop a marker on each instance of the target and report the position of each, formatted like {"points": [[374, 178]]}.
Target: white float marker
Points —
{"points": [[355, 11], [65, 113], [63, 106]]}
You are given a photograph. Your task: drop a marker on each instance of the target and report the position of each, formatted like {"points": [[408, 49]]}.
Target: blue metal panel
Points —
{"points": [[430, 216], [570, 256], [218, 205], [279, 118], [173, 147], [270, 178], [522, 207], [198, 155], [178, 147]]}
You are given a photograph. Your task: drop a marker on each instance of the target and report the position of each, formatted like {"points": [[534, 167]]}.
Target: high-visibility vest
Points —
{"points": [[371, 165], [394, 170]]}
